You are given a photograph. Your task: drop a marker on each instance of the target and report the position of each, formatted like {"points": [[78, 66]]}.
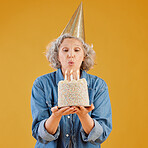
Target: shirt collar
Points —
{"points": [[59, 76]]}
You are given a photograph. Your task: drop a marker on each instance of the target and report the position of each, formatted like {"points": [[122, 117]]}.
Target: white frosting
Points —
{"points": [[73, 93]]}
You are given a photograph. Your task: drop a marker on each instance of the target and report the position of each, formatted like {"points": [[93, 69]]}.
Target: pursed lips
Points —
{"points": [[70, 62]]}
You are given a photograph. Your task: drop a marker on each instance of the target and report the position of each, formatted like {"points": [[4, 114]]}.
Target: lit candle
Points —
{"points": [[78, 74], [71, 76], [66, 75]]}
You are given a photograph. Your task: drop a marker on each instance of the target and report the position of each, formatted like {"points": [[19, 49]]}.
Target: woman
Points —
{"points": [[73, 127]]}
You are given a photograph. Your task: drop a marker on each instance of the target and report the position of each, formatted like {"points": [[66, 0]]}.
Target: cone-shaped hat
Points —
{"points": [[75, 27]]}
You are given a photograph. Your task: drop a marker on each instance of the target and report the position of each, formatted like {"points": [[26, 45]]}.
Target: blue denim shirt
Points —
{"points": [[45, 96]]}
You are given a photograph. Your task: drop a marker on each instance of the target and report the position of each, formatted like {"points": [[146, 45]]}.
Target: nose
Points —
{"points": [[71, 54]]}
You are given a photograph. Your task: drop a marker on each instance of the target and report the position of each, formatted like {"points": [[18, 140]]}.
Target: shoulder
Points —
{"points": [[100, 88], [96, 82]]}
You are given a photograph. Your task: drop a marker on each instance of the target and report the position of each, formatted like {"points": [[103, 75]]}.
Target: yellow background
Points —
{"points": [[119, 33]]}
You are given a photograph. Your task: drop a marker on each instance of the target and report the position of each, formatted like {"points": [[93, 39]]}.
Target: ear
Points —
{"points": [[58, 58], [83, 59]]}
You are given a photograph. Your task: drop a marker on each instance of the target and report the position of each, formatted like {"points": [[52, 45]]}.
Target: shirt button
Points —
{"points": [[67, 135], [68, 116]]}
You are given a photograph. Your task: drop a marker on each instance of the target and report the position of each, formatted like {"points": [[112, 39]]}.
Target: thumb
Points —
{"points": [[92, 106], [82, 108], [54, 109]]}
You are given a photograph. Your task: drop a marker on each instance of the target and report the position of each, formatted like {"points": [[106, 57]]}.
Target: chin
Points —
{"points": [[72, 67]]}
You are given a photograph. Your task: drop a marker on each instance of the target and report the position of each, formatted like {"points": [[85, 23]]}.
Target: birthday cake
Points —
{"points": [[73, 93]]}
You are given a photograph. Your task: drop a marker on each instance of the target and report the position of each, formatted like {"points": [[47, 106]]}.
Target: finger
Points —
{"points": [[75, 111], [54, 109], [68, 111], [82, 108], [92, 105], [63, 109], [90, 108], [77, 107]]}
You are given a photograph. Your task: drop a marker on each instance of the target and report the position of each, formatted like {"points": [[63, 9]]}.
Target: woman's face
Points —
{"points": [[71, 54]]}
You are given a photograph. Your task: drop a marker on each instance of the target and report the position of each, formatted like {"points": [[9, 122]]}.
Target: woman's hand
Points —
{"points": [[81, 111], [62, 111], [86, 121], [52, 122]]}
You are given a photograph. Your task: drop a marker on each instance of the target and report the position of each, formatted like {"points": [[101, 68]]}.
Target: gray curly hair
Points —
{"points": [[53, 48]]}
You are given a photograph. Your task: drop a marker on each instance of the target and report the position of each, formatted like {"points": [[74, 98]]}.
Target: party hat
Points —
{"points": [[75, 27]]}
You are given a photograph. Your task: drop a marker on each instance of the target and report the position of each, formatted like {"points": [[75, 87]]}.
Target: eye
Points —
{"points": [[77, 49], [65, 49]]}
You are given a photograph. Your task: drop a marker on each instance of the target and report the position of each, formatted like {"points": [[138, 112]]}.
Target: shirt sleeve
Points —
{"points": [[40, 113], [102, 115], [45, 135], [95, 132]]}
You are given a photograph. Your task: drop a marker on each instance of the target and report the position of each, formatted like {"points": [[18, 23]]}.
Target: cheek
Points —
{"points": [[62, 58], [80, 57]]}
